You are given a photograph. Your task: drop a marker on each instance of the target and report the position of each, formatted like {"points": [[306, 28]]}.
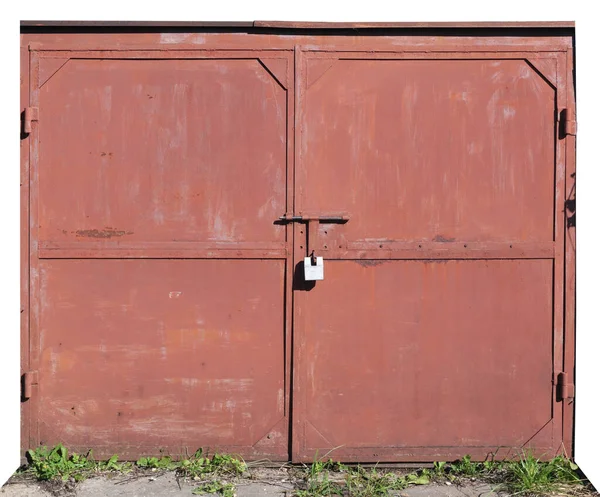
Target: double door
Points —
{"points": [[174, 196]]}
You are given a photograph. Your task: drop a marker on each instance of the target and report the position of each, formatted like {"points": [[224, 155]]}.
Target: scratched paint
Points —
{"points": [[158, 171], [426, 328], [428, 174], [166, 127], [169, 368]]}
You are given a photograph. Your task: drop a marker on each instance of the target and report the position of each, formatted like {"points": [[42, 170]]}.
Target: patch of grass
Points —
{"points": [[317, 479], [216, 487], [438, 468], [525, 475], [57, 464], [465, 467], [164, 462], [220, 465], [377, 483], [213, 471], [355, 481], [318, 482], [529, 475]]}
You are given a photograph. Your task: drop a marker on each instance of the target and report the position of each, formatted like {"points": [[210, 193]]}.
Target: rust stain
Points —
{"points": [[107, 232], [370, 263], [442, 238]]}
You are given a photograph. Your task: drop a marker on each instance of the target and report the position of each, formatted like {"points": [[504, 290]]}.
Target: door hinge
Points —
{"points": [[29, 115], [568, 122], [29, 379], [564, 389]]}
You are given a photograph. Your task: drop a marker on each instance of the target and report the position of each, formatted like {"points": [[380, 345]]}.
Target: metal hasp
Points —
{"points": [[313, 222]]}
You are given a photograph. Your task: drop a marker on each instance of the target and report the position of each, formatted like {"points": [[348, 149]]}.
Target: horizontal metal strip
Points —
{"points": [[160, 254], [439, 250], [408, 55], [201, 54], [165, 53], [158, 250], [337, 44], [408, 454]]}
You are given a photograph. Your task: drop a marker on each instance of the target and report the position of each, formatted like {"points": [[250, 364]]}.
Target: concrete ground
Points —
{"points": [[271, 483]]}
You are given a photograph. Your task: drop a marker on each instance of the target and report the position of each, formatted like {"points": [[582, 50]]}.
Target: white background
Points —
{"points": [[587, 419]]}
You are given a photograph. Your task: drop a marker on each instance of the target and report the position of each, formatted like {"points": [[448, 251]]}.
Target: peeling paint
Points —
{"points": [[104, 233]]}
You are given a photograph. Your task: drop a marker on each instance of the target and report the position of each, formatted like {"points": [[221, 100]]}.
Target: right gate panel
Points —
{"points": [[438, 327]]}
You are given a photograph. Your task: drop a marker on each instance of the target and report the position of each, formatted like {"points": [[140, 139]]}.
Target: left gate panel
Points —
{"points": [[158, 275]]}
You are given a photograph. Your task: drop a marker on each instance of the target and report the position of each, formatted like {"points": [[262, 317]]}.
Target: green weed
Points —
{"points": [[526, 475], [164, 462], [216, 487], [56, 463], [357, 481], [529, 475], [220, 465], [318, 482], [438, 468], [465, 467]]}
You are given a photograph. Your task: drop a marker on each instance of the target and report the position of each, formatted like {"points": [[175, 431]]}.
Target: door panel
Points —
{"points": [[156, 353], [433, 332], [155, 136], [160, 318], [449, 149], [429, 353]]}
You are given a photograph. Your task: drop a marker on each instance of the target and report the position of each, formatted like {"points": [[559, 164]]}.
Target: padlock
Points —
{"points": [[313, 268]]}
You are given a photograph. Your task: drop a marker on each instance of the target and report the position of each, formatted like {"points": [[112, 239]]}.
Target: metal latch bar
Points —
{"points": [[322, 219], [313, 221]]}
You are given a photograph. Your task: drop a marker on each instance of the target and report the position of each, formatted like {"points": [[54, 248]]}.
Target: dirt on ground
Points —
{"points": [[283, 481]]}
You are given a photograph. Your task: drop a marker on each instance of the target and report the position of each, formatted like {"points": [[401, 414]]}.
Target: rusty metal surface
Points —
{"points": [[156, 138], [178, 180], [443, 147], [570, 243], [412, 332], [415, 355], [163, 354], [160, 303], [25, 233]]}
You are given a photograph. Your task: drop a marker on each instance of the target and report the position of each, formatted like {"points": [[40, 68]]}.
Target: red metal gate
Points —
{"points": [[428, 172]]}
